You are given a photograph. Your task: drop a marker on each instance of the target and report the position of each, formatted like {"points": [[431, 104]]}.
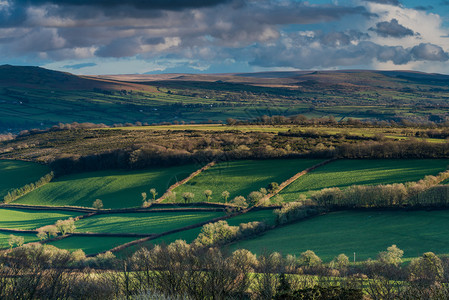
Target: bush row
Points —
{"points": [[423, 193], [17, 193]]}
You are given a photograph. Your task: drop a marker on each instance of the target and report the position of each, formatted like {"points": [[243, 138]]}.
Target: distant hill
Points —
{"points": [[40, 78], [36, 97], [288, 78]]}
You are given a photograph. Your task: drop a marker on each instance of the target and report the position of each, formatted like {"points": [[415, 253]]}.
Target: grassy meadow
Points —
{"points": [[187, 235], [143, 222], [117, 189], [240, 178], [31, 219], [15, 174], [266, 216], [364, 232], [344, 173], [4, 237], [91, 245]]}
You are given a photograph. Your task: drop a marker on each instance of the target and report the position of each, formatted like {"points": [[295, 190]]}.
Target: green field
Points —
{"points": [[186, 235], [343, 173], [117, 189], [90, 245], [266, 216], [242, 177], [191, 234], [365, 233], [31, 219], [4, 237], [15, 174], [143, 222]]}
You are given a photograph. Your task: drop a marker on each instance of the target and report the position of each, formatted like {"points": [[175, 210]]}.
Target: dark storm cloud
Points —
{"points": [[141, 4], [110, 31], [392, 29], [391, 2], [202, 31]]}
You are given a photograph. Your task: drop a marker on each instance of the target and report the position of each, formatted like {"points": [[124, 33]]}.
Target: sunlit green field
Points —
{"points": [[364, 232], [91, 245], [240, 178], [15, 174], [5, 236], [116, 189], [143, 222], [343, 173], [187, 235], [32, 219]]}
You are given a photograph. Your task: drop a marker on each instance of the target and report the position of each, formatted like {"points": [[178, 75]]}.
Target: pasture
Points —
{"points": [[4, 238], [364, 232], [266, 216], [344, 173], [32, 219], [16, 174], [91, 245], [156, 222], [117, 189], [187, 235], [240, 178]]}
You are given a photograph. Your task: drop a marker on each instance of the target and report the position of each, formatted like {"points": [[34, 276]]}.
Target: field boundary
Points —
{"points": [[179, 183], [292, 179], [18, 230], [44, 207], [105, 234], [153, 208]]}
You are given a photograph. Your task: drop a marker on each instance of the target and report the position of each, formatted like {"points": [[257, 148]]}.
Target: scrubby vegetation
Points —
{"points": [[190, 272]]}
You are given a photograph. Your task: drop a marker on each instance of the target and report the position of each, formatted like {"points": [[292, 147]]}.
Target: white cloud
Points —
{"points": [[429, 26]]}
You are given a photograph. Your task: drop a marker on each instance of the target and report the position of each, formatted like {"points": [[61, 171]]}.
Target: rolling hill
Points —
{"points": [[33, 97]]}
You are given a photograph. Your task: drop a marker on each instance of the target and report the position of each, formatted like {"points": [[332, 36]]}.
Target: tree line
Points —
{"points": [[146, 157], [424, 193], [22, 191], [183, 271]]}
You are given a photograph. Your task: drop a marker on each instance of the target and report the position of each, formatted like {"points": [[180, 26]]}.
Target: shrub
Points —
{"points": [[66, 226], [188, 197], [309, 259], [240, 201], [98, 204], [17, 241]]}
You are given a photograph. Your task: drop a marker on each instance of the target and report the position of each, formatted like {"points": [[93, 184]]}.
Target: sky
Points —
{"points": [[224, 36]]}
